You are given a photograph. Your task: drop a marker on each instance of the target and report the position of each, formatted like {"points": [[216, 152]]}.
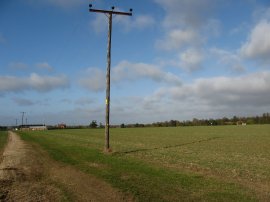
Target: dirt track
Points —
{"points": [[28, 174]]}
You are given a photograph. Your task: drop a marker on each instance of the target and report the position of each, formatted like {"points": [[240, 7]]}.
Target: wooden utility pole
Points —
{"points": [[109, 14], [22, 117]]}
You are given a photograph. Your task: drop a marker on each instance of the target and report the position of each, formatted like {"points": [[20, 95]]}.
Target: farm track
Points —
{"points": [[28, 174]]}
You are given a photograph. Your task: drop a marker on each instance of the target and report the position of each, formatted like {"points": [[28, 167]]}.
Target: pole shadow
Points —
{"points": [[165, 147]]}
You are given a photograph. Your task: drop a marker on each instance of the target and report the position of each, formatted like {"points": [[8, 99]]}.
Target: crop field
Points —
{"points": [[223, 163]]}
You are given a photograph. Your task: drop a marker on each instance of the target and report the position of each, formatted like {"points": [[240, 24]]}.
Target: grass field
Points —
{"points": [[3, 139], [224, 163]]}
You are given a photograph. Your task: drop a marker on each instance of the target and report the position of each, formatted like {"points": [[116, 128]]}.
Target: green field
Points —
{"points": [[3, 139], [224, 163]]}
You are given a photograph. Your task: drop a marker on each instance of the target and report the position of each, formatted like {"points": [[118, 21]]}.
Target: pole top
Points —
{"points": [[110, 11]]}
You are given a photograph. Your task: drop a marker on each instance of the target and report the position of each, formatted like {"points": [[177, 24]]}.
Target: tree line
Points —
{"points": [[235, 120], [3, 128]]}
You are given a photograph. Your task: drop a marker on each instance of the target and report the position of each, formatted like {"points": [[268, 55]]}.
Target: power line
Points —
{"points": [[109, 14]]}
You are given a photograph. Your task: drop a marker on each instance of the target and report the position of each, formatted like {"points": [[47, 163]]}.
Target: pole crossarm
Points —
{"points": [[110, 12]]}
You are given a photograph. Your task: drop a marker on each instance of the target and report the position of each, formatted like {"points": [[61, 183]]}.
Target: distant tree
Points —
{"points": [[225, 120], [257, 120], [195, 122], [265, 118], [93, 124], [250, 121], [122, 125], [101, 125], [262, 119], [3, 128], [172, 123], [235, 119]]}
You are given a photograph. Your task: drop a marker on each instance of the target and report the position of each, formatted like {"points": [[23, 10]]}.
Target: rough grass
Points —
{"points": [[226, 163], [3, 140]]}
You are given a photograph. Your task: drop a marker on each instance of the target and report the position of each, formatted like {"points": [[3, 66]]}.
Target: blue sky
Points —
{"points": [[173, 59]]}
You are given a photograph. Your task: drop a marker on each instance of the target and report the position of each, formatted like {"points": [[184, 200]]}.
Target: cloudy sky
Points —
{"points": [[173, 59]]}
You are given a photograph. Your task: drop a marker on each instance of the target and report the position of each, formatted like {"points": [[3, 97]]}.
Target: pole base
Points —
{"points": [[107, 150]]}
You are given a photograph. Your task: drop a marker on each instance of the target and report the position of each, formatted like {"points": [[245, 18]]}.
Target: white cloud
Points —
{"points": [[94, 80], [100, 23], [191, 13], [177, 39], [47, 83], [137, 22], [192, 59], [143, 21], [249, 90], [206, 98], [187, 23], [230, 59], [261, 13], [44, 66], [33, 82], [134, 71], [189, 60], [203, 98], [258, 44]]}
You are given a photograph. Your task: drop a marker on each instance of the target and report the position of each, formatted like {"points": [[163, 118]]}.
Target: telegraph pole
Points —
{"points": [[109, 14], [22, 117]]}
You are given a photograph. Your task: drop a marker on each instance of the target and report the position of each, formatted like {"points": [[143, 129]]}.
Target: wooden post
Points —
{"points": [[109, 14], [108, 86]]}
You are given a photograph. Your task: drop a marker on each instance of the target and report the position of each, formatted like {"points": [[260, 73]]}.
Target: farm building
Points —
{"points": [[34, 127], [62, 126], [241, 123]]}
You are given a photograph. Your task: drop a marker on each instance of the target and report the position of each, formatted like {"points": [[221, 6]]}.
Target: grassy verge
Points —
{"points": [[148, 179], [3, 139]]}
